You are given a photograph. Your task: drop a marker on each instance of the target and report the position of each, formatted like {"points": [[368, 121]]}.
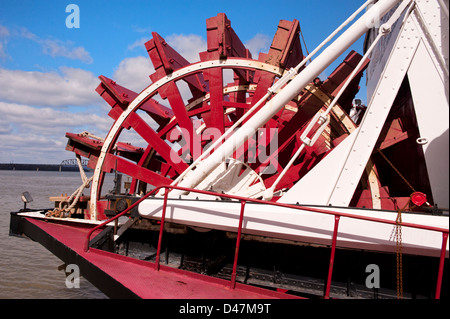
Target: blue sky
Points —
{"points": [[48, 72]]}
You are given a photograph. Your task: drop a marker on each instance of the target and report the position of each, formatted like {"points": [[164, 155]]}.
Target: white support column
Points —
{"points": [[428, 78], [432, 115], [376, 114]]}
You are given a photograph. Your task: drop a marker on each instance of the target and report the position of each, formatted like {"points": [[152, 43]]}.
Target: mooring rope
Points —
{"points": [[65, 206]]}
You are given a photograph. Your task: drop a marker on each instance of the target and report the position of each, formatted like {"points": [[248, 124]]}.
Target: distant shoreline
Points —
{"points": [[39, 167]]}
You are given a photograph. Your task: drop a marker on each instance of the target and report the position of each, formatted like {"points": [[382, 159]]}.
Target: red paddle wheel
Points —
{"points": [[189, 105]]}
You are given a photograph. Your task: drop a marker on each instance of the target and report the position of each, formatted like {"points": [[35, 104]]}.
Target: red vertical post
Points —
{"points": [[441, 265], [238, 243], [333, 250], [161, 230]]}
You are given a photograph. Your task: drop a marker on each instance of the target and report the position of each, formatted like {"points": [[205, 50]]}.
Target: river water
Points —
{"points": [[27, 269]]}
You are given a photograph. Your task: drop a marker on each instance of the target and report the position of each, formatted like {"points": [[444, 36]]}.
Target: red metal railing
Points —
{"points": [[244, 200]]}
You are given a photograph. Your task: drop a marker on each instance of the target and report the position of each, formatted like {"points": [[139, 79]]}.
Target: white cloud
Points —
{"points": [[58, 48], [133, 73], [259, 43], [189, 46], [29, 148], [33, 148], [4, 34], [4, 31], [32, 126], [3, 54], [140, 43], [65, 49], [25, 33], [139, 29], [37, 135], [47, 118], [5, 127], [70, 86]]}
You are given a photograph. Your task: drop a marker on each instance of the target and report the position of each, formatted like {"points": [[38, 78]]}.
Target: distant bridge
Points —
{"points": [[73, 162]]}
